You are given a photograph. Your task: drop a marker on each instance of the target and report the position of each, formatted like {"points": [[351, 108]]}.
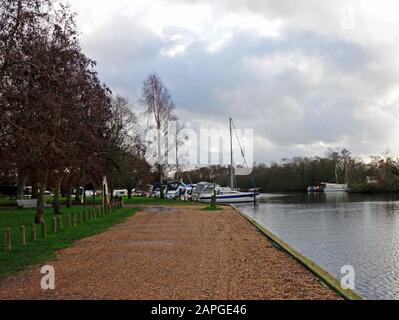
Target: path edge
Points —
{"points": [[322, 274]]}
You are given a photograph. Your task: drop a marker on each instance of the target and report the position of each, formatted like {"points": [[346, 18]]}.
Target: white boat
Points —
{"points": [[334, 187], [206, 191], [225, 197]]}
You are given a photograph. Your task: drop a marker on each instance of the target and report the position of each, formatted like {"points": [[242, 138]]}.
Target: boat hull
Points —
{"points": [[227, 199]]}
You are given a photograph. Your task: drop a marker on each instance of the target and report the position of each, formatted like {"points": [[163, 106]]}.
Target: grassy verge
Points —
{"points": [[211, 209], [44, 249], [152, 201], [7, 202], [10, 202]]}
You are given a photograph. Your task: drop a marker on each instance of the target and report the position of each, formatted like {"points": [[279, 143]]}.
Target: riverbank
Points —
{"points": [[173, 252]]}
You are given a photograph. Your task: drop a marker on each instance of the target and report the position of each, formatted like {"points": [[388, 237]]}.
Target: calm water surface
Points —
{"points": [[338, 230]]}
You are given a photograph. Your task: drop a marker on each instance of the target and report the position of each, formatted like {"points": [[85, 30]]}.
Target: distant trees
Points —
{"points": [[298, 174]]}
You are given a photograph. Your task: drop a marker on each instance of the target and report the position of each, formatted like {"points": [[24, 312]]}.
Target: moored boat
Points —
{"points": [[228, 195]]}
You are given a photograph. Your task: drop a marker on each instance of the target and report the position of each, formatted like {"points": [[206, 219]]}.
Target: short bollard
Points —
{"points": [[7, 239], [59, 222], [54, 225], [43, 229], [68, 220], [23, 235], [33, 232]]}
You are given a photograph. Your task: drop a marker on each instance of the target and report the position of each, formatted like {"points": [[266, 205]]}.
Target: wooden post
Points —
{"points": [[73, 220], [23, 235], [213, 200], [43, 229], [59, 222], [33, 232], [80, 217], [7, 239], [54, 224], [68, 220]]}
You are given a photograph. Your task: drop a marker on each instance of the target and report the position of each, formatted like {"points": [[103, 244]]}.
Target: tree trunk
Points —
{"points": [[21, 187], [56, 201], [84, 197], [94, 195], [69, 196], [35, 189], [39, 218], [77, 195]]}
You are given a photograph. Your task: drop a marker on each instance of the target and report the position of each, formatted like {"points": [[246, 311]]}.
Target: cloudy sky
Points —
{"points": [[304, 75]]}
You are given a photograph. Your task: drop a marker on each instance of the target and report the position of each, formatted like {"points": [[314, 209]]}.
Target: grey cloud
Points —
{"points": [[284, 106]]}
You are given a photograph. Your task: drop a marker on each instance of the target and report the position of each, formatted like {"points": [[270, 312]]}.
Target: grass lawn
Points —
{"points": [[9, 202], [209, 208], [43, 249], [152, 201]]}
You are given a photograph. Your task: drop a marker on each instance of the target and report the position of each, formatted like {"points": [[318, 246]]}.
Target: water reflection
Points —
{"points": [[340, 229]]}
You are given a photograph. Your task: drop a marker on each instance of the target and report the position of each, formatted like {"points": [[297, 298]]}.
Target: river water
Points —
{"points": [[337, 230]]}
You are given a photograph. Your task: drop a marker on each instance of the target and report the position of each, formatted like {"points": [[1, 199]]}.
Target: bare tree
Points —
{"points": [[159, 105]]}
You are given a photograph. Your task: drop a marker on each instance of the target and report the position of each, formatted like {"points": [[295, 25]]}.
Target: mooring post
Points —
{"points": [[23, 235], [7, 239], [213, 200], [33, 232]]}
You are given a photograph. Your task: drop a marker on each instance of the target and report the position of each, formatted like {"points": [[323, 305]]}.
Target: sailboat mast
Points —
{"points": [[231, 153]]}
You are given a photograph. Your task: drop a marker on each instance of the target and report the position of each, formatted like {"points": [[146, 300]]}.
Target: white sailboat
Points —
{"points": [[229, 194]]}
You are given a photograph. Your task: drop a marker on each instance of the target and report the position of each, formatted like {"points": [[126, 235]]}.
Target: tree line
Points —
{"points": [[380, 174], [60, 126]]}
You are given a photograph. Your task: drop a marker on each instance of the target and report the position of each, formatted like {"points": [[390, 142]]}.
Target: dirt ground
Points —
{"points": [[173, 253]]}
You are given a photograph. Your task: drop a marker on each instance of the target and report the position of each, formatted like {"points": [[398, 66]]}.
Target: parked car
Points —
{"points": [[91, 193], [120, 193]]}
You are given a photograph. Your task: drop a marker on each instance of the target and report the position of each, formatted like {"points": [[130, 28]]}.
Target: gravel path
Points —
{"points": [[173, 253]]}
